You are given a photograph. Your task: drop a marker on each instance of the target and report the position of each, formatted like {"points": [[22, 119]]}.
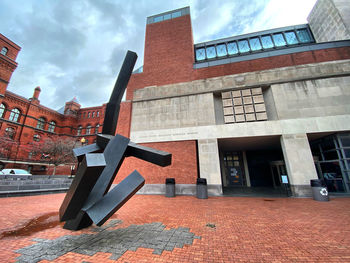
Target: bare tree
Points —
{"points": [[7, 146], [55, 151]]}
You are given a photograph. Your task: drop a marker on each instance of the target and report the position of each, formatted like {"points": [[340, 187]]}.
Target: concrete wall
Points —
{"points": [[329, 20], [261, 78], [320, 97], [185, 111], [209, 165], [299, 163]]}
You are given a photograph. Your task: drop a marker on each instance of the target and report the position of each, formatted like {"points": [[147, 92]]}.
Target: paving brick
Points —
{"points": [[156, 229]]}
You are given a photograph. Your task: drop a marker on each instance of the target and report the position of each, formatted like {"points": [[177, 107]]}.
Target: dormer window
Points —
{"points": [[4, 51]]}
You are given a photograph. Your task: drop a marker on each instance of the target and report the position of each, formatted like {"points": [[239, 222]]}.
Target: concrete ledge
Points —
{"points": [[32, 192], [301, 190], [180, 189]]}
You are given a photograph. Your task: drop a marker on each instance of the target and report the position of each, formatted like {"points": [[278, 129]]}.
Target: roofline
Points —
{"points": [[272, 53], [8, 41], [253, 34]]}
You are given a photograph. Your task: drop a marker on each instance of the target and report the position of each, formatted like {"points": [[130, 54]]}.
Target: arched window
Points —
{"points": [[89, 114], [4, 51], [52, 126], [93, 114], [97, 128], [97, 114], [10, 132], [88, 129], [2, 110], [79, 130], [14, 115], [41, 123]]}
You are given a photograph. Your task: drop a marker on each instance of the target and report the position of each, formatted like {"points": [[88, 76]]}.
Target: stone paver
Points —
{"points": [[181, 229]]}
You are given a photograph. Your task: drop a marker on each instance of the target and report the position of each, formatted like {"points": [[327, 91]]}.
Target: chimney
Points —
{"points": [[35, 98]]}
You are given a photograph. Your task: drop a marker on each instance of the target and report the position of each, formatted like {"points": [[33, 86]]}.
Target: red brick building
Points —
{"points": [[26, 121], [246, 111]]}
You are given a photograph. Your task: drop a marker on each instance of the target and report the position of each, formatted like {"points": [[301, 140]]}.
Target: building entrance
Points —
{"points": [[234, 167], [249, 166]]}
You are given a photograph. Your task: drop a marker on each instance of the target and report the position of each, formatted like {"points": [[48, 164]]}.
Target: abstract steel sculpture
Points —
{"points": [[89, 200]]}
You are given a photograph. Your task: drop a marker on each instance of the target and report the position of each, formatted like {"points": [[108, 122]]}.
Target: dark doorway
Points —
{"points": [[259, 166]]}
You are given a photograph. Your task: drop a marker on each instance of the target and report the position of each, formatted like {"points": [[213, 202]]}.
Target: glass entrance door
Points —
{"points": [[234, 169]]}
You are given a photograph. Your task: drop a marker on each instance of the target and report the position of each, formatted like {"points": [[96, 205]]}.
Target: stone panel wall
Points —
{"points": [[330, 20], [185, 111], [313, 98]]}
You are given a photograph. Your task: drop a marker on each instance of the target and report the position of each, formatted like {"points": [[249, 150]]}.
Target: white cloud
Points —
{"points": [[75, 48]]}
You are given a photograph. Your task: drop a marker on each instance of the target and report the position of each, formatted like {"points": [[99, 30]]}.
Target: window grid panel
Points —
{"points": [[211, 53], [255, 44], [303, 35], [291, 38], [200, 53], [267, 42], [243, 46], [232, 48], [221, 50], [279, 40]]}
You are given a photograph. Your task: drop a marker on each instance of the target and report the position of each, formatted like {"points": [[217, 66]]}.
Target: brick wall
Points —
{"points": [[183, 167], [7, 62], [169, 58]]}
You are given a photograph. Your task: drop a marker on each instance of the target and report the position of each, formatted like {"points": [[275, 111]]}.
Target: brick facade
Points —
{"points": [[168, 58], [183, 167]]}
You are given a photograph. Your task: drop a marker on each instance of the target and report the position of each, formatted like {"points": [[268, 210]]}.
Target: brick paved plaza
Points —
{"points": [[181, 229]]}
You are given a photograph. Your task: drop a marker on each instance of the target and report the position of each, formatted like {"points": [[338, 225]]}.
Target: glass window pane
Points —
{"points": [[345, 141], [291, 38], [200, 53], [279, 40], [330, 155], [267, 42], [158, 19], [167, 16], [346, 152], [211, 52], [221, 50], [232, 48], [304, 36], [255, 44], [176, 14], [243, 46], [2, 110]]}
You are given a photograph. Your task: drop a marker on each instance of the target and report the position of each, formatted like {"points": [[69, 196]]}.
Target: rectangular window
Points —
{"points": [[267, 42], [255, 44], [211, 52], [158, 19], [232, 48], [167, 17], [221, 50], [279, 40], [243, 46], [303, 36], [291, 38], [200, 54], [176, 14]]}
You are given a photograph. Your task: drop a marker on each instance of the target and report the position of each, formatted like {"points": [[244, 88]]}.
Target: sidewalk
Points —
{"points": [[182, 229]]}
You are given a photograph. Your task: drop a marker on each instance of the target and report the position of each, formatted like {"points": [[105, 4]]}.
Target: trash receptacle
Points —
{"points": [[202, 189], [319, 190], [170, 187]]}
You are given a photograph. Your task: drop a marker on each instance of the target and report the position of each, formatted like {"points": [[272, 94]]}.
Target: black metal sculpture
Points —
{"points": [[89, 200]]}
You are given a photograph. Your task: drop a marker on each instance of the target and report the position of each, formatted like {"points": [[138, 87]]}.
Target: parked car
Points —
{"points": [[15, 174]]}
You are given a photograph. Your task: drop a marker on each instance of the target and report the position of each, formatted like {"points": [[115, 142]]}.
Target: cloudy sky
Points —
{"points": [[76, 47]]}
